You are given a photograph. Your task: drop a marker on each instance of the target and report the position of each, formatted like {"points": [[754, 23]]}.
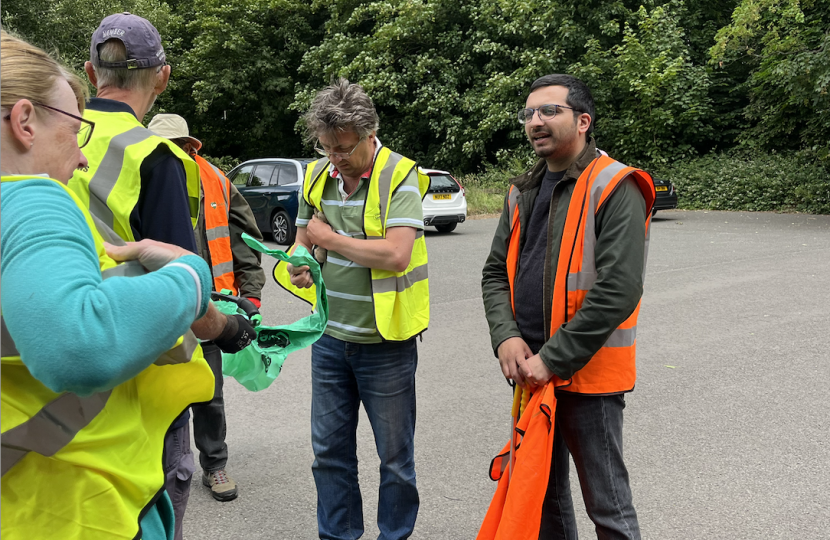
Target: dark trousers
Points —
{"points": [[178, 470], [209, 428], [589, 428]]}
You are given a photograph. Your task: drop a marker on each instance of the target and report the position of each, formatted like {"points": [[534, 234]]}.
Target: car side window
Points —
{"points": [[262, 175], [242, 176], [288, 173]]}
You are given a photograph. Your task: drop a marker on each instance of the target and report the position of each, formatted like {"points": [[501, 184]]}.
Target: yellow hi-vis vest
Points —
{"points": [[401, 299], [90, 467], [110, 186]]}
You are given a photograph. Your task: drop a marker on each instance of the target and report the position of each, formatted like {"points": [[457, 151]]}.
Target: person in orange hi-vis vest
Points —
{"points": [[562, 288], [224, 216]]}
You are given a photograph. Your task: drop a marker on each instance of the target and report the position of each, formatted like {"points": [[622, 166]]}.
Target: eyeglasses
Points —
{"points": [[338, 155], [546, 112], [87, 127]]}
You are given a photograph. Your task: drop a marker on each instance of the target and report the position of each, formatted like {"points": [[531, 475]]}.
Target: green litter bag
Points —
{"points": [[256, 366]]}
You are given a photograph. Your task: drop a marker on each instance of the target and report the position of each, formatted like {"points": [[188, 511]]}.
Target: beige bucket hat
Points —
{"points": [[172, 126]]}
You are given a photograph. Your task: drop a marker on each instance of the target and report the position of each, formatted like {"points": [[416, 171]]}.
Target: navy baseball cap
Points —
{"points": [[140, 38]]}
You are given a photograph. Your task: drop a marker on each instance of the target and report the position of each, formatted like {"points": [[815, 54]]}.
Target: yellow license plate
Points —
{"points": [[661, 188], [441, 197]]}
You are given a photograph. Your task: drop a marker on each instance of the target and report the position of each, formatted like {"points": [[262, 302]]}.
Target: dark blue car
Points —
{"points": [[272, 188]]}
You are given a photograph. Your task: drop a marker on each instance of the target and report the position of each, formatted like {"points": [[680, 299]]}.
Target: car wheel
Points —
{"points": [[449, 227], [282, 229]]}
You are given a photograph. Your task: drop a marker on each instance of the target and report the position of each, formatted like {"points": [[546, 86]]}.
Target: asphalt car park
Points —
{"points": [[725, 432]]}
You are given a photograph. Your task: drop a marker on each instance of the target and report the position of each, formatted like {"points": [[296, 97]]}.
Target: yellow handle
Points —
{"points": [[517, 399], [525, 399]]}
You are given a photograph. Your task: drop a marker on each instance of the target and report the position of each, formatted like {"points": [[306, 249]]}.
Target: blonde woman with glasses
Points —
{"points": [[97, 360]]}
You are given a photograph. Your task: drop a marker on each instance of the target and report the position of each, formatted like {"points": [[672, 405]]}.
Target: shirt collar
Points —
{"points": [[334, 173], [109, 105]]}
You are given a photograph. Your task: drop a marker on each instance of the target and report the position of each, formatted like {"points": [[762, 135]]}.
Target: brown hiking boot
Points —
{"points": [[222, 486]]}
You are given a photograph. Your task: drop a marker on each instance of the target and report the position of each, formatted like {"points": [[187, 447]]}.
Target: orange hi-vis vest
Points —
{"points": [[515, 513], [612, 369], [217, 190]]}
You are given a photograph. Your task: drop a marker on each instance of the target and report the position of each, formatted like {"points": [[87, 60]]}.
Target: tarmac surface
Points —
{"points": [[727, 433]]}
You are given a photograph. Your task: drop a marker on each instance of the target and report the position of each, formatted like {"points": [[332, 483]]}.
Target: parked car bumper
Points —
{"points": [[444, 219], [665, 201]]}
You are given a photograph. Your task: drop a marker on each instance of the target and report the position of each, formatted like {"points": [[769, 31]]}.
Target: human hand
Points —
{"points": [[511, 351], [536, 372], [300, 276], [319, 232], [151, 254]]}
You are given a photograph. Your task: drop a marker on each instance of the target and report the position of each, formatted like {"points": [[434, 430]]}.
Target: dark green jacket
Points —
{"points": [[620, 262]]}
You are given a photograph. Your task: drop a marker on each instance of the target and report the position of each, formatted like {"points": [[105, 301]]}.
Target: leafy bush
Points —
{"points": [[224, 163], [763, 182]]}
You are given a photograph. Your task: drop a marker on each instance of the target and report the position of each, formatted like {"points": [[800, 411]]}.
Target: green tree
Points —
{"points": [[652, 100], [65, 27], [448, 76], [235, 78], [786, 47]]}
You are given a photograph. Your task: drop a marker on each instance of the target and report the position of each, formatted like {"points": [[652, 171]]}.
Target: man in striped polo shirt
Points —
{"points": [[375, 271]]}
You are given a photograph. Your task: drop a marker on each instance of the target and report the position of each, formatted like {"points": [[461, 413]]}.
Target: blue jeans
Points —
{"points": [[590, 429], [382, 376]]}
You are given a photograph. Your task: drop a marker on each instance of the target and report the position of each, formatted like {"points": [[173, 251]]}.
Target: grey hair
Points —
{"points": [[113, 50], [340, 107]]}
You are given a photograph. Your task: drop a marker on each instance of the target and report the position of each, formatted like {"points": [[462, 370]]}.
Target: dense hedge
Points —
{"points": [[773, 182]]}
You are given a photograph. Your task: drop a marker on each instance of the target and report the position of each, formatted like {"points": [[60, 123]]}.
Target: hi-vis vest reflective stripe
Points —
{"points": [[217, 189], [401, 299], [612, 369], [89, 467], [111, 185]]}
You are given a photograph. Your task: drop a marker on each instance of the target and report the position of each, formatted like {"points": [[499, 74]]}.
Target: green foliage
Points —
{"points": [[224, 163], [751, 182], [652, 101], [235, 79], [672, 80], [786, 44], [65, 27]]}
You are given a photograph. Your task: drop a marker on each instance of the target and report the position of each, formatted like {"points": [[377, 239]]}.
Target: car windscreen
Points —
{"points": [[442, 183]]}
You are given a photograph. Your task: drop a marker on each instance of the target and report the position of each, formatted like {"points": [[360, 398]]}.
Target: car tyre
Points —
{"points": [[282, 229], [449, 227]]}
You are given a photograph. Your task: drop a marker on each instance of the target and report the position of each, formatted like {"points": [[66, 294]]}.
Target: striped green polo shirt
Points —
{"points": [[348, 284]]}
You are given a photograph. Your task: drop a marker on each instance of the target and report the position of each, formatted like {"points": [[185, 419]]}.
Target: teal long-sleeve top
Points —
{"points": [[76, 332]]}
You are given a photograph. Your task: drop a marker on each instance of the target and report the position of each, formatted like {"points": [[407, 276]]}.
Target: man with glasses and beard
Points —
{"points": [[375, 273], [561, 289]]}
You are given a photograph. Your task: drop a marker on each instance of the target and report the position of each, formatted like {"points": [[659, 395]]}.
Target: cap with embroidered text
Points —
{"points": [[140, 38]]}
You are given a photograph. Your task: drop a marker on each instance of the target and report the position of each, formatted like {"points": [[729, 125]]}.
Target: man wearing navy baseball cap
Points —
{"points": [[144, 186]]}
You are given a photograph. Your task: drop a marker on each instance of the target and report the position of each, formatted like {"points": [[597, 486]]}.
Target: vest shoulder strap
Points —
{"points": [[316, 171]]}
